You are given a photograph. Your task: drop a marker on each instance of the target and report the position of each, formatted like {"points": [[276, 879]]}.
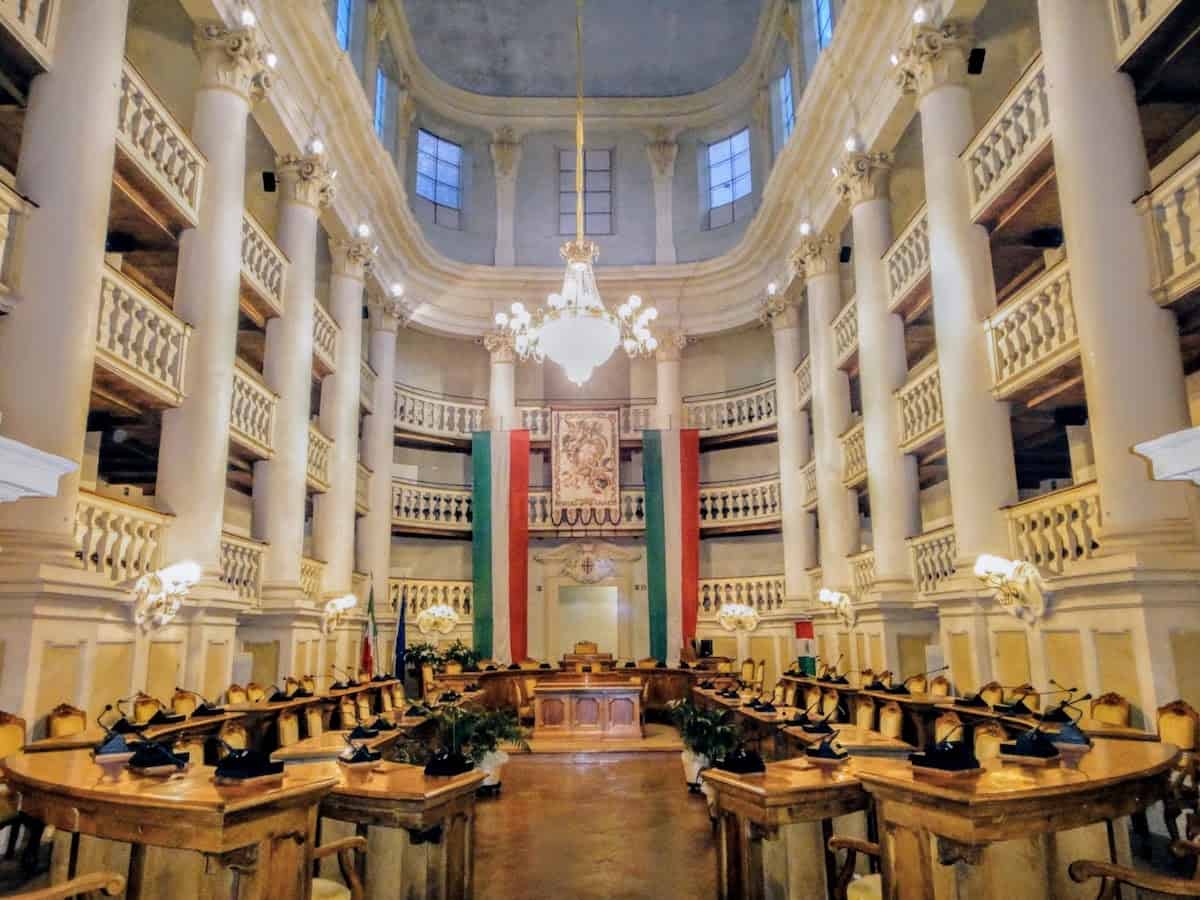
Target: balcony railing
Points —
{"points": [[749, 502], [816, 581], [422, 413], [907, 262], [766, 593], [116, 539], [431, 507], [1014, 144], [921, 414], [808, 481], [32, 23], [12, 212], [362, 490], [1034, 333], [325, 334], [242, 565], [1135, 20], [636, 417], [845, 335], [264, 270], [312, 578], [421, 593], [733, 412], [155, 152], [252, 413], [1172, 216], [862, 570], [854, 456], [366, 387], [139, 342], [320, 448], [932, 555], [1056, 529], [633, 514], [804, 385]]}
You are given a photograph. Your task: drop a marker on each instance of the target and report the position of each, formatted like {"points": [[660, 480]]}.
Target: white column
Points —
{"points": [[280, 482], [668, 395], [333, 511], [883, 368], [662, 151], [193, 454], [795, 448], [506, 159], [502, 390], [375, 528], [48, 342], [1129, 345], [979, 450], [837, 505]]}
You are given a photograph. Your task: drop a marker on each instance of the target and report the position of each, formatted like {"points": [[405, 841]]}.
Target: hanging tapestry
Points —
{"points": [[585, 459]]}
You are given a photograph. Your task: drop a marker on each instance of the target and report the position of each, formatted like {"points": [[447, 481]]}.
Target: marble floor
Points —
{"points": [[594, 827]]}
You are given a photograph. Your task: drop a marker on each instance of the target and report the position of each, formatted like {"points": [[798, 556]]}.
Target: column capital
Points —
{"points": [[816, 255], [306, 179], [501, 346], [862, 177], [933, 57], [662, 151], [670, 348], [506, 153], [233, 59], [352, 258], [388, 314], [780, 313]]}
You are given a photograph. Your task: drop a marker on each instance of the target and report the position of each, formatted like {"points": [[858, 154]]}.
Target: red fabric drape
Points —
{"points": [[518, 544], [689, 493]]}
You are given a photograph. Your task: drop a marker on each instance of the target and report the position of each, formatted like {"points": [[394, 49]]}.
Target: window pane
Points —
{"points": [[450, 152], [741, 140], [426, 142], [425, 187], [597, 203], [447, 195], [566, 181], [741, 187], [718, 151], [566, 224], [721, 215], [566, 160], [720, 195], [597, 224], [741, 164], [597, 181], [426, 165], [594, 160], [566, 203], [448, 173], [721, 174]]}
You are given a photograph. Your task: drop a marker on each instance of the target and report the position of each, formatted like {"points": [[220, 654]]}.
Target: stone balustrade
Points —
{"points": [[1033, 333], [252, 412], [907, 261], [862, 570], [1013, 139], [920, 401], [119, 540], [13, 209], [766, 593], [325, 334], [932, 554], [845, 335], [140, 342], [431, 507], [362, 489], [264, 268], [816, 581], [159, 148], [312, 578], [804, 384], [854, 456], [421, 593], [732, 412], [535, 420], [1135, 20], [422, 413], [748, 502], [366, 387], [633, 514], [242, 565], [32, 23], [1171, 213], [1056, 529], [320, 448], [808, 482], [636, 417]]}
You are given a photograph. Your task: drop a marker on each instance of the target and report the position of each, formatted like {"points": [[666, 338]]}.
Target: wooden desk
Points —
{"points": [[499, 686], [587, 710], [331, 744], [854, 740], [181, 837], [86, 740]]}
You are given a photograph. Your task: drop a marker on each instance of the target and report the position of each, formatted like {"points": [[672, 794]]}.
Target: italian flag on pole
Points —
{"points": [[500, 543], [671, 471], [370, 639]]}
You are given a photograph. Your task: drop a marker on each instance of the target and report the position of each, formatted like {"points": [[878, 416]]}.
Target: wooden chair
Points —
{"points": [[1177, 724], [789, 693], [107, 883], [725, 667], [397, 692], [1111, 874], [428, 682], [235, 693], [939, 686], [347, 713], [917, 684], [255, 692], [523, 699], [946, 725], [865, 677], [746, 672], [144, 707], [829, 706], [314, 720], [988, 738], [65, 720], [992, 693], [585, 647], [777, 694], [291, 685], [1111, 709], [847, 886], [12, 739], [386, 707], [647, 662], [194, 746], [184, 703], [346, 850], [886, 678], [529, 664], [288, 727], [362, 705], [235, 735], [309, 683], [812, 698], [891, 720], [1026, 693], [864, 713], [760, 675]]}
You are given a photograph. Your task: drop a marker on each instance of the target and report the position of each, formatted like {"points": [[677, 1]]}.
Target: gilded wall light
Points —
{"points": [[158, 596], [336, 610], [1017, 585]]}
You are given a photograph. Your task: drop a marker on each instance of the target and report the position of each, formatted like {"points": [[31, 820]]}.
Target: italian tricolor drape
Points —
{"points": [[671, 472], [500, 543]]}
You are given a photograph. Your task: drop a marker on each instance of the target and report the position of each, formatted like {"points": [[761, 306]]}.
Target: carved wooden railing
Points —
{"points": [[312, 578], [159, 146], [362, 489], [242, 565], [845, 334], [423, 413], [1056, 529], [320, 448], [1172, 216], [804, 384], [116, 539], [1034, 333], [921, 414], [264, 267], [862, 570], [252, 412], [421, 593], [907, 260], [932, 556], [732, 412], [808, 482], [13, 209], [854, 456], [431, 506], [1135, 20], [366, 387], [32, 23], [325, 334], [744, 502], [139, 340], [766, 593], [1016, 134]]}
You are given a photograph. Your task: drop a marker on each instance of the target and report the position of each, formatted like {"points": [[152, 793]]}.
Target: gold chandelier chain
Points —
{"points": [[579, 121]]}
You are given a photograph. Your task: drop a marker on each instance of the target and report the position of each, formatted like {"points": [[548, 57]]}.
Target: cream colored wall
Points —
{"points": [[430, 558], [1007, 30], [442, 365], [728, 361], [728, 557], [728, 464], [435, 466], [936, 509]]}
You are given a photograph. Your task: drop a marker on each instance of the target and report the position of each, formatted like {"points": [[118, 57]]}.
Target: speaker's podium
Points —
{"points": [[587, 653]]}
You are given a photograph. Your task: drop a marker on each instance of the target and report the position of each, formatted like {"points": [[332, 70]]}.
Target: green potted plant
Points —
{"points": [[492, 732], [707, 735], [421, 654], [458, 656]]}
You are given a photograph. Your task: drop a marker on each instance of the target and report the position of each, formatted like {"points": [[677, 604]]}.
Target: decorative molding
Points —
{"points": [[862, 177], [352, 258], [670, 346], [932, 57], [306, 179], [662, 151], [506, 153], [586, 562], [28, 472], [1174, 456], [780, 312], [387, 314], [233, 60]]}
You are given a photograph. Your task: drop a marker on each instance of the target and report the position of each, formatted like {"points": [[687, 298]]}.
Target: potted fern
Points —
{"points": [[459, 657], [707, 735], [474, 738]]}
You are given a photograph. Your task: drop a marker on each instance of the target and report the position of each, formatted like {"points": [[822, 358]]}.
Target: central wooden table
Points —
{"points": [[604, 710]]}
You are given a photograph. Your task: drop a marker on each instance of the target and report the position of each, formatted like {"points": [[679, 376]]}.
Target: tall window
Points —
{"points": [[823, 16], [341, 24], [381, 99], [728, 176], [439, 176], [787, 108], [597, 192]]}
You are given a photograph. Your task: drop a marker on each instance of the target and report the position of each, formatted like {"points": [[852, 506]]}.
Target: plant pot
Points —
{"points": [[710, 795], [453, 668], [692, 764], [491, 765]]}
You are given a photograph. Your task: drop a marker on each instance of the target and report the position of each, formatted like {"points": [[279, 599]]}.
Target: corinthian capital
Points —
{"points": [[662, 151], [779, 312], [670, 348], [387, 314], [352, 258], [501, 346], [862, 177], [935, 56], [506, 153], [816, 255], [233, 59], [306, 179]]}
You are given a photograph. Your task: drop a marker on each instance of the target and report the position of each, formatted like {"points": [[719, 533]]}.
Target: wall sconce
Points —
{"points": [[840, 603], [1017, 586], [439, 617], [737, 617], [335, 611], [158, 596]]}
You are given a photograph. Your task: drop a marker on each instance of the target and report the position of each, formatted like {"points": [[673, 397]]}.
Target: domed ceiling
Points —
{"points": [[631, 48]]}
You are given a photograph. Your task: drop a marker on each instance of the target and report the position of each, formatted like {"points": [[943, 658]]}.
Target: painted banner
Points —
{"points": [[585, 461]]}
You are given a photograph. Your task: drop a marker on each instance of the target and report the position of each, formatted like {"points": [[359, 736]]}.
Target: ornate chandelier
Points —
{"points": [[576, 330], [439, 617], [737, 617]]}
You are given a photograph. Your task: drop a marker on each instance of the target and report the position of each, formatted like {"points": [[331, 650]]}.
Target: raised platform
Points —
{"points": [[657, 739]]}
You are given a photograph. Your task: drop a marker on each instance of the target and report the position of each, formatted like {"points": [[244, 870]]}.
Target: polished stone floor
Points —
{"points": [[594, 827]]}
